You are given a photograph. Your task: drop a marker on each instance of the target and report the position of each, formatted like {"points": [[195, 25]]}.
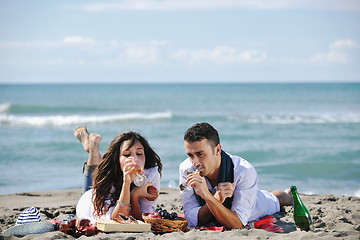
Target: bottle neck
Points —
{"points": [[296, 196]]}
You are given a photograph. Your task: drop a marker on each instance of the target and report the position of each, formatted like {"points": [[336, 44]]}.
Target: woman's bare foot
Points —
{"points": [[82, 134], [94, 150]]}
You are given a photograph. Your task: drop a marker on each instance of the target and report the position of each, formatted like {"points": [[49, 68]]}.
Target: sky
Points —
{"points": [[179, 41]]}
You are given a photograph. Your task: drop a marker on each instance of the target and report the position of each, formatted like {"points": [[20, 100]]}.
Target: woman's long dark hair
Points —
{"points": [[109, 174]]}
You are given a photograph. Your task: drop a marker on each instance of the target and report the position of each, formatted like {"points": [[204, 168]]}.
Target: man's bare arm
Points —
{"points": [[224, 216], [204, 216]]}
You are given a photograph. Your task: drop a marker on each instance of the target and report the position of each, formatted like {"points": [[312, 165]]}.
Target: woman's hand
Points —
{"points": [[137, 192], [129, 171]]}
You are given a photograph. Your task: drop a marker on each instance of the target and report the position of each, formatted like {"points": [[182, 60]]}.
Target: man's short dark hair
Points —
{"points": [[201, 131]]}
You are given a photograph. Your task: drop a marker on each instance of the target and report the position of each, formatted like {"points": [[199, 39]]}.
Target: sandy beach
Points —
{"points": [[334, 217]]}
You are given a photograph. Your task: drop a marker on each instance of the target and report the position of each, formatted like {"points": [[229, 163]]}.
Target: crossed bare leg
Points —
{"points": [[285, 197], [91, 143], [82, 134], [94, 154]]}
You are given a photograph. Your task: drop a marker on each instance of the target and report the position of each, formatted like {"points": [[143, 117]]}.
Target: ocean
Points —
{"points": [[306, 135]]}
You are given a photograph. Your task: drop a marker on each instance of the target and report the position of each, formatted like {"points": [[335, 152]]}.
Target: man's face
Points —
{"points": [[203, 153]]}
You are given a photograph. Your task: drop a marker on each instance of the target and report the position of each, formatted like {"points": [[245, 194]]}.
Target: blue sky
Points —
{"points": [[179, 41]]}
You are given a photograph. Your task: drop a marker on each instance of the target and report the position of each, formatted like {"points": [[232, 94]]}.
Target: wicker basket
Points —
{"points": [[165, 225]]}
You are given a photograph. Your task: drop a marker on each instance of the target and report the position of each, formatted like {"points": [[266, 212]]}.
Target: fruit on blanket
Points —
{"points": [[153, 191], [154, 215]]}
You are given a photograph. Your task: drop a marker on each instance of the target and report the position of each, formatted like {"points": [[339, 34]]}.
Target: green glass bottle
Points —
{"points": [[301, 214]]}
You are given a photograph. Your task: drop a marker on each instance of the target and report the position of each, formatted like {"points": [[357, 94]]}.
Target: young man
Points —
{"points": [[225, 191]]}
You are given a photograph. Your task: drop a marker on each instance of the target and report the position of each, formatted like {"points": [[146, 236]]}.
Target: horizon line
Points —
{"points": [[174, 83]]}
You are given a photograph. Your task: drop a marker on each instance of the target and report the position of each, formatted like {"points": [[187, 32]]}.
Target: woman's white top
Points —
{"points": [[85, 207]]}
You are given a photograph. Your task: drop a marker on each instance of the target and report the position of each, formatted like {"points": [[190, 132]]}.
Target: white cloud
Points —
{"points": [[33, 54], [64, 51], [338, 52], [344, 43], [77, 40], [165, 5], [134, 53], [332, 56], [60, 62], [159, 43], [222, 54], [254, 56], [141, 54], [29, 44], [42, 62], [71, 40]]}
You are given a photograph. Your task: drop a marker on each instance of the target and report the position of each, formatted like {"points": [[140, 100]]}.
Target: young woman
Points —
{"points": [[113, 191]]}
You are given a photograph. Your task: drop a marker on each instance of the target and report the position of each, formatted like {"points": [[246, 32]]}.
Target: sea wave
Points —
{"points": [[4, 107], [357, 193], [63, 120], [297, 119]]}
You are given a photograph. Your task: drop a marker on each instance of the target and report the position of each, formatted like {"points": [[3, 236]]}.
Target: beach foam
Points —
{"points": [[63, 120], [297, 118], [4, 107]]}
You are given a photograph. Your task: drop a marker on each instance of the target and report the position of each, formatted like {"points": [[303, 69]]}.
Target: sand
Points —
{"points": [[335, 217]]}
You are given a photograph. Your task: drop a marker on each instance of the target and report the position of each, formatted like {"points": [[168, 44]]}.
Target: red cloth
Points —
{"points": [[211, 228], [266, 223]]}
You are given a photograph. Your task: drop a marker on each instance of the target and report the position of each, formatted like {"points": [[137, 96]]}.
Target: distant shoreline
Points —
{"points": [[191, 83]]}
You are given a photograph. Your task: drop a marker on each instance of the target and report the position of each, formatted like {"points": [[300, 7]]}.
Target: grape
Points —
{"points": [[173, 215], [164, 214]]}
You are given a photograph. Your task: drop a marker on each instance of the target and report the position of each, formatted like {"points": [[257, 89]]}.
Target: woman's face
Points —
{"points": [[135, 152]]}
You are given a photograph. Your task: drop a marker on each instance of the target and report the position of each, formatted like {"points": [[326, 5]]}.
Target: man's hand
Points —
{"points": [[198, 183], [224, 190]]}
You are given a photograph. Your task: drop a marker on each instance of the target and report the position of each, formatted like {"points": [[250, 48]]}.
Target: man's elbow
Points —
{"points": [[233, 222], [232, 225]]}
